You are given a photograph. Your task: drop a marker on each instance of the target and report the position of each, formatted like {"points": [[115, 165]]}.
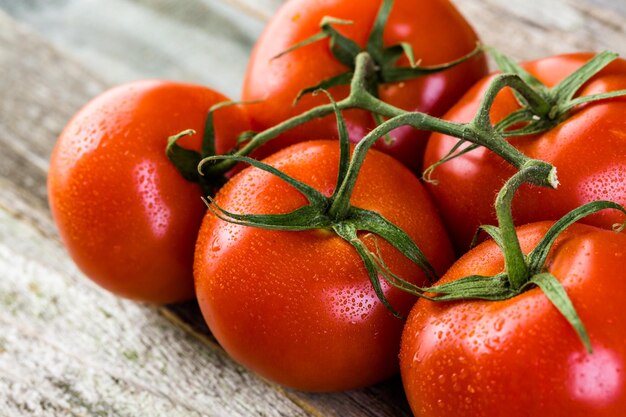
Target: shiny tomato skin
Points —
{"points": [[588, 150], [520, 357], [127, 217], [434, 28], [298, 307]]}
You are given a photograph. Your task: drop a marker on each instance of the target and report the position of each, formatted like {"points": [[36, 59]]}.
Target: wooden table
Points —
{"points": [[68, 348]]}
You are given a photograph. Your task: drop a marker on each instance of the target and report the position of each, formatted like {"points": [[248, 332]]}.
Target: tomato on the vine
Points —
{"points": [[298, 307], [588, 150], [520, 356], [434, 29], [127, 217]]}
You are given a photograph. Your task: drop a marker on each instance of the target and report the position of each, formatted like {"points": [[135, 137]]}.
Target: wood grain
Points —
{"points": [[123, 40], [69, 344], [68, 348], [531, 29]]}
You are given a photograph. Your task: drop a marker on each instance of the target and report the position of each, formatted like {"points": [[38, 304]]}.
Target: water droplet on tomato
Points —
{"points": [[499, 324]]}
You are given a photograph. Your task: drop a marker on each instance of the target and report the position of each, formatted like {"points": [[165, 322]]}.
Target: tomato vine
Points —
{"points": [[541, 109]]}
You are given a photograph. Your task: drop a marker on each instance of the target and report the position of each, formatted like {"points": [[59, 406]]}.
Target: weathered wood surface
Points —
{"points": [[67, 348]]}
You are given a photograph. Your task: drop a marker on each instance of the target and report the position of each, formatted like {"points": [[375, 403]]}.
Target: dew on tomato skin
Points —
{"points": [[610, 185], [499, 324], [155, 209]]}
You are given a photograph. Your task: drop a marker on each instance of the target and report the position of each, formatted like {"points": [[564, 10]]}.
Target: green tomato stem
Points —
{"points": [[526, 92], [266, 135], [361, 97], [516, 265]]}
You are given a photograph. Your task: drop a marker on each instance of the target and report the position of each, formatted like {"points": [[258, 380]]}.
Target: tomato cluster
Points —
{"points": [[305, 263]]}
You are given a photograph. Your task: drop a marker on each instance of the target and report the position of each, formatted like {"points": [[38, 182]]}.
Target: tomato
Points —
{"points": [[435, 30], [521, 357], [127, 217], [298, 307], [588, 149]]}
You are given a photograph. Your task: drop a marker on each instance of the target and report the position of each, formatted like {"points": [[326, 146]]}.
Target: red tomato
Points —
{"points": [[298, 307], [127, 217], [520, 357], [589, 151], [435, 30]]}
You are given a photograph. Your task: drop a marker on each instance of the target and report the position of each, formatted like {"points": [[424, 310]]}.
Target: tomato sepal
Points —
{"points": [[538, 256], [557, 102], [332, 213], [557, 295], [345, 50], [492, 231], [189, 163], [542, 109], [185, 160], [522, 272], [348, 232]]}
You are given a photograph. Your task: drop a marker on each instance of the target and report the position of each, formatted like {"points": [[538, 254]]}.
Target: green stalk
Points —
{"points": [[489, 139], [516, 266], [526, 92], [265, 136], [360, 97], [337, 214]]}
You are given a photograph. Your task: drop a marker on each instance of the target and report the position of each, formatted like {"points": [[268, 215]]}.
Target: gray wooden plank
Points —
{"points": [[78, 347], [617, 8], [531, 29], [259, 9], [38, 86], [207, 42]]}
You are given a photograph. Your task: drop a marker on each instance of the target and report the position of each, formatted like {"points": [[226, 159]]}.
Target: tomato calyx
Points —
{"points": [[521, 272], [187, 161], [542, 108], [346, 222], [552, 105], [345, 50]]}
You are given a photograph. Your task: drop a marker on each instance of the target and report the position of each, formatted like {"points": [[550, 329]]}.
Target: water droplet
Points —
{"points": [[499, 323]]}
